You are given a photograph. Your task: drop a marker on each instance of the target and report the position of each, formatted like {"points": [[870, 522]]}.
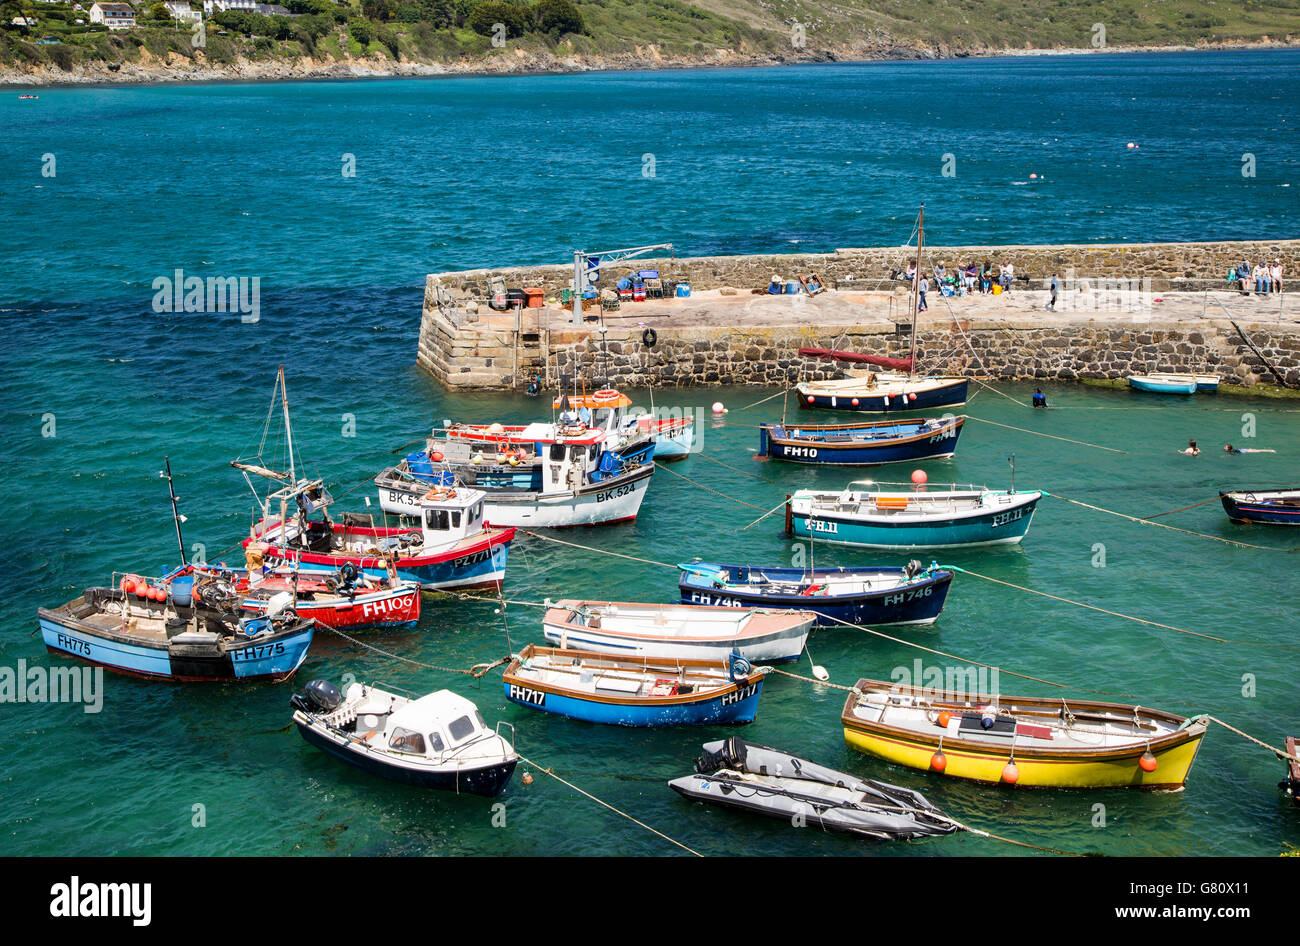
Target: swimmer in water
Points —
{"points": [[1229, 448], [1192, 449]]}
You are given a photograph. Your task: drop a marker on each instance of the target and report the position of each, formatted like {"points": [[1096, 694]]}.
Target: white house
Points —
{"points": [[220, 6], [180, 10], [116, 16]]}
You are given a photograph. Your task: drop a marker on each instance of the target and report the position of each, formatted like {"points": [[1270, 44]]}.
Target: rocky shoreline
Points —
{"points": [[176, 69]]}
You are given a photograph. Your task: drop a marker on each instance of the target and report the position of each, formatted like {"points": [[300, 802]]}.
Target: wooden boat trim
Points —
{"points": [[725, 686], [763, 623], [1023, 706]]}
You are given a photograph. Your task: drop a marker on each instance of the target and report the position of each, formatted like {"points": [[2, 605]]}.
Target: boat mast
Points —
{"points": [[916, 282], [288, 433], [176, 515]]}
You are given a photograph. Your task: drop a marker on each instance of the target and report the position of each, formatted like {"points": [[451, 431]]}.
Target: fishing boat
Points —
{"points": [[1028, 741], [611, 411], [873, 596], [678, 631], [346, 599], [576, 483], [1164, 382], [1279, 507], [899, 388], [889, 441], [864, 514], [452, 547], [634, 691], [1291, 783], [138, 627], [434, 741], [769, 782]]}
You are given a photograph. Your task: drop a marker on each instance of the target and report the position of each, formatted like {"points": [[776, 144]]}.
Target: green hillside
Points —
{"points": [[523, 34]]}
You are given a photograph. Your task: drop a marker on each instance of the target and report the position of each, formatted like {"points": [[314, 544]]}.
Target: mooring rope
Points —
{"points": [[1273, 749], [477, 671], [763, 401], [1181, 509], [775, 508], [1161, 525], [1082, 443], [588, 548], [617, 811], [707, 488], [751, 475]]}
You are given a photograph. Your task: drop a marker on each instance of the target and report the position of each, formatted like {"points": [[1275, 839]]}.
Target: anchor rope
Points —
{"points": [[1161, 525], [1273, 749], [605, 804], [1083, 443], [763, 401], [753, 476], [1181, 509], [477, 671], [707, 488]]}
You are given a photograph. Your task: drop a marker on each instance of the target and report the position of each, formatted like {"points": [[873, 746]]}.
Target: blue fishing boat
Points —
{"points": [[1279, 507], [1167, 383], [886, 441], [911, 519], [634, 691], [142, 629], [874, 596]]}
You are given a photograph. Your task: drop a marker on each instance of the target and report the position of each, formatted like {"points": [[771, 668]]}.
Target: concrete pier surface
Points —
{"points": [[1110, 320]]}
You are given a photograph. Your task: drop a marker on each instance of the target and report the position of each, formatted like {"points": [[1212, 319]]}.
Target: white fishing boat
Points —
{"points": [[575, 485], [678, 631], [1162, 382], [434, 741]]}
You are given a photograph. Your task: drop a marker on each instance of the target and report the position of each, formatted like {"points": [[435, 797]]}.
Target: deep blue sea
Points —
{"points": [[245, 180]]}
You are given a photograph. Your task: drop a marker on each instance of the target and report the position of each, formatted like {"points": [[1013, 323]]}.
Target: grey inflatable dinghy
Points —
{"points": [[767, 781]]}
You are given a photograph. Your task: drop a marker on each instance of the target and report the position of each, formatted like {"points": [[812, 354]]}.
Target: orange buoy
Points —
{"points": [[1011, 773], [854, 402], [436, 456], [528, 778], [1148, 762], [938, 761], [944, 718], [128, 586], [811, 399]]}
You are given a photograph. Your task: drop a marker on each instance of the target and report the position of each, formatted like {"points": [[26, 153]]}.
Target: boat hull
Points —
{"points": [[987, 764], [919, 602], [986, 527], [919, 396], [273, 660], [1242, 506], [385, 608], [598, 504], [907, 446], [488, 780], [1152, 386], [734, 706]]}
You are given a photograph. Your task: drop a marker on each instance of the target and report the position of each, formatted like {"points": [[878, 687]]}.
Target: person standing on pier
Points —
{"points": [[1051, 304], [921, 289]]}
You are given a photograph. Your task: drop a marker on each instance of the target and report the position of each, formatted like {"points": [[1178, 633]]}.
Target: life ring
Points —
{"points": [[437, 493], [649, 337]]}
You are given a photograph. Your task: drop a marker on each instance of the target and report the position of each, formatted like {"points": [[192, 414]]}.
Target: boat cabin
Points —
{"points": [[432, 726], [449, 514]]}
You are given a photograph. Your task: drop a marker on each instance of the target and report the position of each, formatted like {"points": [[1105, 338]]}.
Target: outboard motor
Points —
{"points": [[913, 568], [319, 696]]}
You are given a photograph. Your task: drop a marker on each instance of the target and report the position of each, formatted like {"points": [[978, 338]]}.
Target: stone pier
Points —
{"points": [[1124, 309]]}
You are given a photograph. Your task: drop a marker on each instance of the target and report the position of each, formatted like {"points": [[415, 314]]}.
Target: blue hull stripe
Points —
{"points": [[683, 714], [975, 530]]}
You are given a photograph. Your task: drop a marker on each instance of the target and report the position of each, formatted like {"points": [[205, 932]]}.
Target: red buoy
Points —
{"points": [[811, 399], [128, 586], [912, 397], [1011, 773], [854, 402], [945, 718], [938, 761], [1148, 762], [919, 477], [436, 456]]}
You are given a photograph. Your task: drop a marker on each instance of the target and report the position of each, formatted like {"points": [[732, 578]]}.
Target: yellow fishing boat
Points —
{"points": [[1027, 741]]}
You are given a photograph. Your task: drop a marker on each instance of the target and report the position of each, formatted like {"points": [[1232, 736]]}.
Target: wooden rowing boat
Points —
{"points": [[1027, 741]]}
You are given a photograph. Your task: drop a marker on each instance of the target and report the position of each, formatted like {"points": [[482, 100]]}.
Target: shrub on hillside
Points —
{"points": [[557, 17], [485, 16]]}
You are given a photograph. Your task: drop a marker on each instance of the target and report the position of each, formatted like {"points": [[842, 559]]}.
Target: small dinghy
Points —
{"points": [[1165, 382], [863, 514], [625, 691], [1278, 507], [1291, 784], [888, 441], [141, 628], [873, 596], [678, 630], [883, 392], [1036, 742], [765, 781], [436, 741]]}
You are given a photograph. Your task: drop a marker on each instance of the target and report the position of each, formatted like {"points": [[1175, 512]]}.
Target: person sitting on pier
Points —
{"points": [[986, 277], [1243, 273], [1260, 274], [1192, 450], [911, 270], [970, 275], [1275, 274]]}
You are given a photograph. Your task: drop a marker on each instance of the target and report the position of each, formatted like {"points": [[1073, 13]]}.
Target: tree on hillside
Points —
{"points": [[485, 16], [558, 17]]}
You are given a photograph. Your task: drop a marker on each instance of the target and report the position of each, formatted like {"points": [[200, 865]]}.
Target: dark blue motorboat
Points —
{"points": [[885, 441], [1279, 507], [873, 596]]}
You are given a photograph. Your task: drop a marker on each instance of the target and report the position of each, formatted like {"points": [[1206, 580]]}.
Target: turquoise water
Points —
{"points": [[150, 179]]}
